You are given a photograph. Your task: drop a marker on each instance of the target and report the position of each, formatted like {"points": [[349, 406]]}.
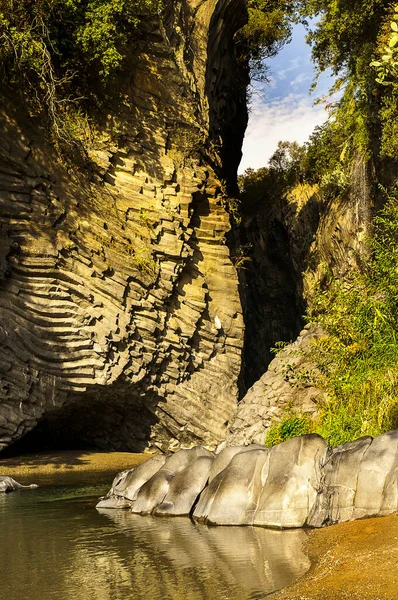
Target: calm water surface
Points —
{"points": [[55, 545]]}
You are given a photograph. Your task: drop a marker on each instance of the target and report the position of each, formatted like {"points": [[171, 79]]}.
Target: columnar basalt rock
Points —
{"points": [[285, 388], [112, 280], [301, 482]]}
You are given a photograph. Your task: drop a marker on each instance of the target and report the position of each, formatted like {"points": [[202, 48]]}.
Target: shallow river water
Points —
{"points": [[54, 545]]}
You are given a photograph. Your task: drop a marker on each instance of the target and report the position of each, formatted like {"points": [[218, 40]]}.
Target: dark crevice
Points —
{"points": [[277, 244]]}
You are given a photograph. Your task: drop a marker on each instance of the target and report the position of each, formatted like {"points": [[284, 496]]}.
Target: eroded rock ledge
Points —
{"points": [[111, 280], [301, 482]]}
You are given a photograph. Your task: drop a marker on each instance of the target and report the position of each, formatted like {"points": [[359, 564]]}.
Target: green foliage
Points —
{"points": [[285, 169], [358, 358], [345, 31], [389, 122], [268, 29], [357, 361], [344, 39], [291, 426], [387, 65], [64, 52], [385, 69], [325, 159]]}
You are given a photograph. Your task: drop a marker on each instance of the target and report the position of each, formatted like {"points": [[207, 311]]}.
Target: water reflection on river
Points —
{"points": [[55, 545]]}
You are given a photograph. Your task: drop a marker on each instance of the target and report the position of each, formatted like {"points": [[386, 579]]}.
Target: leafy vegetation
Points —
{"points": [[286, 168], [387, 65], [358, 359], [267, 30], [63, 54], [290, 426]]}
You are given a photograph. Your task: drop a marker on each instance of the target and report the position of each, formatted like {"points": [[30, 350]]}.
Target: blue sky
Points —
{"points": [[284, 109]]}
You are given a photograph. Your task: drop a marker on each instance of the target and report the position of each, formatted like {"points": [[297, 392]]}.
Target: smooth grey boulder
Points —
{"points": [[360, 479], [126, 484], [300, 482], [232, 496], [185, 488], [377, 491], [8, 484], [153, 492], [223, 459], [292, 482], [336, 496], [135, 479]]}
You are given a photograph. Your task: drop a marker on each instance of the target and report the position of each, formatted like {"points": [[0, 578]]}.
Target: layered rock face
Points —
{"points": [[294, 242], [285, 388], [301, 482], [120, 319], [297, 241]]}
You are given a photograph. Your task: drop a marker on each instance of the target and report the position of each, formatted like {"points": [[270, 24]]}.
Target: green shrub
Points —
{"points": [[291, 426], [358, 358]]}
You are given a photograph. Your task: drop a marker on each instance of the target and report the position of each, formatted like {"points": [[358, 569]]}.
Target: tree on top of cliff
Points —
{"points": [[267, 30], [344, 31], [58, 51]]}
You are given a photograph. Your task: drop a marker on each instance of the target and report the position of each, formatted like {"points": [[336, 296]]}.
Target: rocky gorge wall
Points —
{"points": [[296, 242], [120, 320]]}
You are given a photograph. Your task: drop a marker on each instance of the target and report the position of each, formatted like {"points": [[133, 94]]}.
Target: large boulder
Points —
{"points": [[300, 482], [360, 479], [291, 483], [185, 488], [232, 496]]}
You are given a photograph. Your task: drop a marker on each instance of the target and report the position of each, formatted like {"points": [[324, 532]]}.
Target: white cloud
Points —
{"points": [[292, 118], [293, 65], [300, 79]]}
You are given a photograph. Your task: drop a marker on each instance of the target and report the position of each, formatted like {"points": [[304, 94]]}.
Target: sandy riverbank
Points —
{"points": [[351, 561], [44, 467]]}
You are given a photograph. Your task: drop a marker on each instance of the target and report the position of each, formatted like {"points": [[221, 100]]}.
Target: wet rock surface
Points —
{"points": [[8, 484], [301, 482]]}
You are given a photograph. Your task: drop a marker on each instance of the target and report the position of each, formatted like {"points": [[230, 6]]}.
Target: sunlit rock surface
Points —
{"points": [[277, 392], [120, 319], [301, 482], [359, 479]]}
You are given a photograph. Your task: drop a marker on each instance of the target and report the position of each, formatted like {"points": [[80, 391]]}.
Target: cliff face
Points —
{"points": [[120, 319], [296, 241]]}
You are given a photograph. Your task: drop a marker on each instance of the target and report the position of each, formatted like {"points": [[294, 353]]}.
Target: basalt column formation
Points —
{"points": [[120, 319]]}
